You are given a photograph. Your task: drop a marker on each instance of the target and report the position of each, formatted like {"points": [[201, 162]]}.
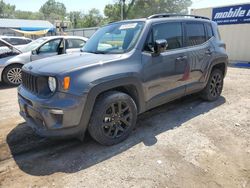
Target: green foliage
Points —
{"points": [[6, 10], [145, 8], [92, 19], [53, 10], [28, 15]]}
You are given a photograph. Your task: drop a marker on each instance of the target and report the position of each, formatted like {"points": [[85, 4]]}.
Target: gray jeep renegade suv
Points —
{"points": [[125, 68]]}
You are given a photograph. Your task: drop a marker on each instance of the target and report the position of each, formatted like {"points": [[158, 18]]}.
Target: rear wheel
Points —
{"points": [[113, 118], [214, 87], [12, 75]]}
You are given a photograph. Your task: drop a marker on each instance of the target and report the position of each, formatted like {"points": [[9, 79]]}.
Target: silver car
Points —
{"points": [[10, 70]]}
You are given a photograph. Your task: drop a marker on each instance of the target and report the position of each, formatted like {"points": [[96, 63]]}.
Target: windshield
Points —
{"points": [[33, 45], [114, 38]]}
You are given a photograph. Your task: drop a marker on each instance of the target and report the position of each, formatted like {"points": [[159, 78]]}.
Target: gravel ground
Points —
{"points": [[187, 143]]}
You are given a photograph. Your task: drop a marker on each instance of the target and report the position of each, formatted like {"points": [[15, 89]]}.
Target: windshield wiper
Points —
{"points": [[95, 52]]}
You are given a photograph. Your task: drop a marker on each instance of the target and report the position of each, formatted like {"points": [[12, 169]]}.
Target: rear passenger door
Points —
{"points": [[163, 74], [199, 52]]}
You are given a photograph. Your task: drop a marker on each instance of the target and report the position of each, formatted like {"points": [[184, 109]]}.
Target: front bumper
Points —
{"points": [[56, 116]]}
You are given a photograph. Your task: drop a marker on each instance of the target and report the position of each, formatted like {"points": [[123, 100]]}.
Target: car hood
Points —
{"points": [[68, 62], [21, 58]]}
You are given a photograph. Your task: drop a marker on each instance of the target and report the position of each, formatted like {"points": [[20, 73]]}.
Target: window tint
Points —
{"points": [[74, 43], [172, 32], [16, 41], [50, 47], [195, 34], [209, 31]]}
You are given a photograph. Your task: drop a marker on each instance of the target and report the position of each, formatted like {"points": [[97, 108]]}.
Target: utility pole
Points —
{"points": [[122, 9]]}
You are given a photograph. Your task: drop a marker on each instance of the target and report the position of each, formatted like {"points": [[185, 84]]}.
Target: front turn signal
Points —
{"points": [[66, 83]]}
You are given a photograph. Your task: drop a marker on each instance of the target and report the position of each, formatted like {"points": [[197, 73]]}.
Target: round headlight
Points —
{"points": [[52, 84]]}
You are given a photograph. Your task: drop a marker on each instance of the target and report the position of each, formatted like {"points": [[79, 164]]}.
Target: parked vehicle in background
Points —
{"points": [[39, 49], [18, 42], [146, 63], [7, 51]]}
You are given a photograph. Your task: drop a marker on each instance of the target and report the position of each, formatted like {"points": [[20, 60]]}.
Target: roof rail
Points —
{"points": [[167, 15]]}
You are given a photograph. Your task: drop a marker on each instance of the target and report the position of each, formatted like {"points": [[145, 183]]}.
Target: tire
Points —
{"points": [[214, 86], [12, 75], [109, 125]]}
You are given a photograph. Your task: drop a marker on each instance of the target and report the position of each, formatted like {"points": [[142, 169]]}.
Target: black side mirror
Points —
{"points": [[34, 52], [160, 46]]}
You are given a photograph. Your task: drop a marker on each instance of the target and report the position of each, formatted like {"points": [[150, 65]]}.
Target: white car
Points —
{"points": [[10, 71]]}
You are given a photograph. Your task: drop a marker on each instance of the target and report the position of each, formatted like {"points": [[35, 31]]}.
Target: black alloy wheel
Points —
{"points": [[113, 118]]}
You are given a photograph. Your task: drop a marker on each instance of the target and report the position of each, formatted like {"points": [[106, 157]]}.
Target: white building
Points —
{"points": [[234, 26]]}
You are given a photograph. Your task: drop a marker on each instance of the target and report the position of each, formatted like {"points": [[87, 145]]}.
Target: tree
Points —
{"points": [[28, 15], [6, 10], [75, 17], [144, 8], [113, 11], [53, 10], [92, 18]]}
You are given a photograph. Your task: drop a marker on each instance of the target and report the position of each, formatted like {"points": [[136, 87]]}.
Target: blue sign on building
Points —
{"points": [[238, 14]]}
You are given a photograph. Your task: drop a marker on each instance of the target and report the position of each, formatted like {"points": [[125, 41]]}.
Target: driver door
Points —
{"points": [[164, 74], [51, 48]]}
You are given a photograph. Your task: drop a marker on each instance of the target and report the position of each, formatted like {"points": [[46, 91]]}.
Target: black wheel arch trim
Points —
{"points": [[107, 85], [219, 60]]}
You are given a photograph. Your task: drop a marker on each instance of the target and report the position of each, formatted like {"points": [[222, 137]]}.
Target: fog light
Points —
{"points": [[56, 111]]}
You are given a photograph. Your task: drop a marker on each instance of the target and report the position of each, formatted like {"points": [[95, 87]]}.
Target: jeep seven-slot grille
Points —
{"points": [[29, 81], [36, 84]]}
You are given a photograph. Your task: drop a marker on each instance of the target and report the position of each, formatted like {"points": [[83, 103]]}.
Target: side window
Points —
{"points": [[74, 43], [209, 31], [172, 32], [50, 46], [195, 34]]}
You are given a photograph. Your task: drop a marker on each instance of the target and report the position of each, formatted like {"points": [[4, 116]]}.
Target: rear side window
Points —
{"points": [[209, 31], [195, 34], [172, 32], [74, 43]]}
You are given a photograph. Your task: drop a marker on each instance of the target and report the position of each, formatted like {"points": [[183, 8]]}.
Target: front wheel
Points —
{"points": [[113, 118], [12, 75], [214, 86]]}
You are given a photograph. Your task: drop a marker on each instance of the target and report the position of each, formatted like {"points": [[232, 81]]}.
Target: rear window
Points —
{"points": [[16, 41], [195, 34]]}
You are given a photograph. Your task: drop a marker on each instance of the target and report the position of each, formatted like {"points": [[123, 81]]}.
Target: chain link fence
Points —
{"points": [[83, 32]]}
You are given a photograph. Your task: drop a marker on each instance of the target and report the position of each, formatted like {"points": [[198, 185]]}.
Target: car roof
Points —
{"points": [[172, 18]]}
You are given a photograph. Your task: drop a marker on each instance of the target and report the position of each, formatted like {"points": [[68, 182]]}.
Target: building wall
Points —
{"points": [[236, 36], [9, 32]]}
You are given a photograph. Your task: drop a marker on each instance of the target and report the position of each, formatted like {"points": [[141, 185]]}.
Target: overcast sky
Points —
{"points": [[85, 5]]}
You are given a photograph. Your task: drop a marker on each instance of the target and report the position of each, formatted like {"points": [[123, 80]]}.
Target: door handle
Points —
{"points": [[181, 58], [208, 52]]}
